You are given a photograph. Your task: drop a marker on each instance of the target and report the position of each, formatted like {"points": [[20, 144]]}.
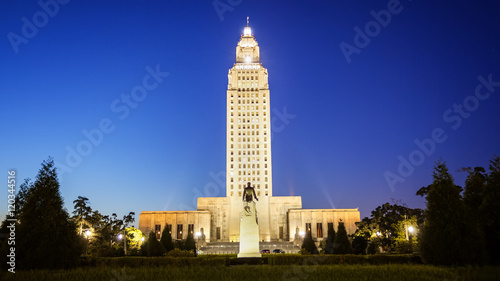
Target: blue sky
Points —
{"points": [[348, 118]]}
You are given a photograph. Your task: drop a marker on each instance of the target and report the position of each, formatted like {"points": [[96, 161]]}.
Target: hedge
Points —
{"points": [[287, 259], [155, 261], [343, 259]]}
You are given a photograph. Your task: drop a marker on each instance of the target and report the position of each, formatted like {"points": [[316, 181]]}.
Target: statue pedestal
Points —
{"points": [[249, 232]]}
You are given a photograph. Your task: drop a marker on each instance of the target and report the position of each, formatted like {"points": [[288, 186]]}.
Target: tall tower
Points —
{"points": [[248, 141]]}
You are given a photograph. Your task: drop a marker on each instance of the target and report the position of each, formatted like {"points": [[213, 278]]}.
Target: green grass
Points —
{"points": [[265, 272]]}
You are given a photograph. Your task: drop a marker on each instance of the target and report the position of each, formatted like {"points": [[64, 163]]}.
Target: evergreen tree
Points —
{"points": [[309, 245], [450, 236], [82, 212], [342, 244], [490, 211], [190, 244], [330, 240], [154, 248], [359, 245], [166, 240], [46, 237], [474, 188]]}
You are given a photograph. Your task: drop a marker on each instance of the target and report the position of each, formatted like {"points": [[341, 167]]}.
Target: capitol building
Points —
{"points": [[248, 159]]}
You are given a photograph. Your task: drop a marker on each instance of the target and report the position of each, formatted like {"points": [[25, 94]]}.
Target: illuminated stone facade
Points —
{"points": [[248, 159]]}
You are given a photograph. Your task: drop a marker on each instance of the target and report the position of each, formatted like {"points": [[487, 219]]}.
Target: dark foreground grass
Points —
{"points": [[266, 272]]}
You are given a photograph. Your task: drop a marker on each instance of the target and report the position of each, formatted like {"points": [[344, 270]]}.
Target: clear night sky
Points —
{"points": [[352, 120]]}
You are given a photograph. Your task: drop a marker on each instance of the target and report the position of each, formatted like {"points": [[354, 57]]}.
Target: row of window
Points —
{"points": [[249, 120], [241, 78], [248, 133], [250, 173], [319, 229], [243, 107], [249, 101], [252, 160], [244, 114], [240, 194], [248, 95], [169, 229], [243, 183], [244, 166], [248, 146], [249, 152], [248, 139]]}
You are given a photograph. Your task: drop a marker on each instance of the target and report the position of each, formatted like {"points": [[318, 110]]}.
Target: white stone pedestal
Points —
{"points": [[249, 232]]}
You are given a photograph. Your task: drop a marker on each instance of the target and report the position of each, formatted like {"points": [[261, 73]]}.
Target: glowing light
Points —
{"points": [[120, 237], [142, 239], [411, 229], [378, 233], [247, 31], [197, 234], [248, 59], [302, 233], [87, 233]]}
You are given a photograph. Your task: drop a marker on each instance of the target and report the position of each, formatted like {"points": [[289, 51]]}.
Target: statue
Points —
{"points": [[249, 225], [249, 194]]}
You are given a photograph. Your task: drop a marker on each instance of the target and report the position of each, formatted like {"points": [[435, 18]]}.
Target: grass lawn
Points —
{"points": [[265, 272]]}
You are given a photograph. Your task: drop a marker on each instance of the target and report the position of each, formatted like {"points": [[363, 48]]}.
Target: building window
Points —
{"points": [[169, 228], [280, 233], [319, 229], [330, 224], [179, 231], [218, 233], [158, 231], [191, 228], [308, 228]]}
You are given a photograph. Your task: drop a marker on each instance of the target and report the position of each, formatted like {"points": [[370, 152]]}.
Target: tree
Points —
{"points": [[490, 212], [46, 236], [81, 212], [359, 244], [190, 244], [154, 248], [383, 223], [330, 239], [166, 240], [406, 240], [450, 236], [134, 240], [309, 245], [342, 244], [474, 188]]}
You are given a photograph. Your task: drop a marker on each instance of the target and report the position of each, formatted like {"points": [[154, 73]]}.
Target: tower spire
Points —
{"points": [[247, 20]]}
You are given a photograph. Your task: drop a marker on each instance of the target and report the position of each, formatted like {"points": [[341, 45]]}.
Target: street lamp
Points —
{"points": [[302, 234], [197, 235], [124, 237], [411, 229]]}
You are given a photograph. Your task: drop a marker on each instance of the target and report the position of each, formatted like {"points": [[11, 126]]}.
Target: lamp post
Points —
{"points": [[197, 235], [120, 236], [87, 233]]}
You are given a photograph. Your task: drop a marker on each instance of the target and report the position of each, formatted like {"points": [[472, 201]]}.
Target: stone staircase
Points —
{"points": [[223, 248]]}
